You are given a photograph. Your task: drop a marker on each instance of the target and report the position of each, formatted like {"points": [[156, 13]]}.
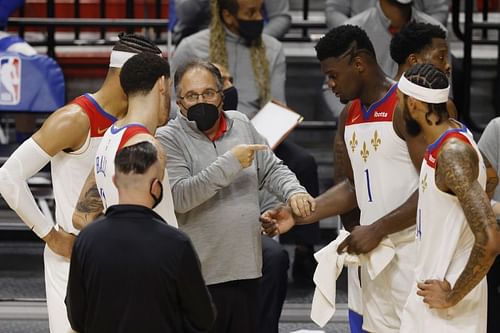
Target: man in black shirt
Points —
{"points": [[130, 271]]}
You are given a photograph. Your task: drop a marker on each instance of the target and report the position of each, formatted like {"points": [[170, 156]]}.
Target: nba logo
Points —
{"points": [[10, 80]]}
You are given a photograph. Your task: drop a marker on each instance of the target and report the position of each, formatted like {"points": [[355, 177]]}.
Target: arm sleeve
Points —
{"points": [[438, 9], [489, 144], [190, 191], [75, 294], [273, 175], [279, 18], [25, 162], [337, 12], [196, 303], [278, 76]]}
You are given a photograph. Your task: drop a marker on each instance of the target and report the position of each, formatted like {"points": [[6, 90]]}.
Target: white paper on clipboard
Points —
{"points": [[275, 122]]}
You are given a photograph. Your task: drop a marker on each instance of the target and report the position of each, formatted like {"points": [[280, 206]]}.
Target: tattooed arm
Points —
{"points": [[456, 173], [89, 205]]}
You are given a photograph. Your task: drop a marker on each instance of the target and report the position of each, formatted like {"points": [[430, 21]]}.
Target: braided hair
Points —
{"points": [[135, 44], [429, 76], [218, 51], [413, 38]]}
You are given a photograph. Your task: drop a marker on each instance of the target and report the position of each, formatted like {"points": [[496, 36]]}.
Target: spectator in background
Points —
{"points": [[489, 145], [130, 271], [419, 43], [258, 66], [339, 11], [217, 161], [194, 15]]}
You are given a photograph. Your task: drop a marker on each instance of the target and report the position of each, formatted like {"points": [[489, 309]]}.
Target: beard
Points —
{"points": [[412, 126]]}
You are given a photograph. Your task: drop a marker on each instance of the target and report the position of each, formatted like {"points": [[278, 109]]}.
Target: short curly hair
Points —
{"points": [[140, 73], [340, 39], [413, 38]]}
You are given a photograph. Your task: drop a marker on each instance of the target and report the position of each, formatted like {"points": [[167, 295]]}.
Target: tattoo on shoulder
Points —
{"points": [[91, 202]]}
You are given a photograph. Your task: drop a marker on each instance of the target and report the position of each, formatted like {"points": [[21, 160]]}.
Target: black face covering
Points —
{"points": [[204, 114], [158, 199], [250, 30], [230, 98]]}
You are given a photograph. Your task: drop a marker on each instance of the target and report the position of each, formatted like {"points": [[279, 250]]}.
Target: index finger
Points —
{"points": [[256, 147]]}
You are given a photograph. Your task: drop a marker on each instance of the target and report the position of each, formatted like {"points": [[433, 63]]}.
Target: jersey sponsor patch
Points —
{"points": [[10, 80]]}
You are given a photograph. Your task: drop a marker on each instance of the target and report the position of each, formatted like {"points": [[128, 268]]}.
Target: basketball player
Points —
{"points": [[380, 160], [68, 139], [145, 79], [456, 228]]}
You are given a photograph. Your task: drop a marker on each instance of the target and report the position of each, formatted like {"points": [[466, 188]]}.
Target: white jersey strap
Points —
{"points": [[25, 162]]}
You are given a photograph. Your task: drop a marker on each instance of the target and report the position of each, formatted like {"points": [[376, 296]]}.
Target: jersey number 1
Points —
{"points": [[368, 186]]}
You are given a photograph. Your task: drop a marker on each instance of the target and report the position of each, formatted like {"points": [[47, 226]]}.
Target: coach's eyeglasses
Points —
{"points": [[208, 95]]}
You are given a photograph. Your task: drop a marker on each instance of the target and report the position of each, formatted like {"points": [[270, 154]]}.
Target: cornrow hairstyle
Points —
{"points": [[197, 63], [341, 39], [140, 73], [218, 51], [135, 44], [429, 76], [136, 159], [414, 38]]}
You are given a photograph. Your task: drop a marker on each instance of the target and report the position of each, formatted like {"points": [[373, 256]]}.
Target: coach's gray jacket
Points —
{"points": [[216, 200]]}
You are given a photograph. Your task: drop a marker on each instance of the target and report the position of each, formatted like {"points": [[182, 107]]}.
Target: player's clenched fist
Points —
{"points": [[246, 153]]}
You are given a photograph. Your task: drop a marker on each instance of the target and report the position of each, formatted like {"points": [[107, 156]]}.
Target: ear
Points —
{"points": [[162, 84], [414, 106], [412, 59], [114, 180], [359, 64], [228, 18]]}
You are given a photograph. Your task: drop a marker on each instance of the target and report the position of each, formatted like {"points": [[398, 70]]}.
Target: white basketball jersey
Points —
{"points": [[114, 139], [70, 170], [444, 242], [384, 175]]}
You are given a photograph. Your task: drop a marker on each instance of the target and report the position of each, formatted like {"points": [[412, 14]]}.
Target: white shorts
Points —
{"points": [[56, 281], [384, 298]]}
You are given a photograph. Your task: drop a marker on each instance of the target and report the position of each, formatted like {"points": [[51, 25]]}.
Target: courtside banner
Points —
{"points": [[30, 83]]}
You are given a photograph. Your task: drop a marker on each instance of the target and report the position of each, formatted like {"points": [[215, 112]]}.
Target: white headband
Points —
{"points": [[434, 96], [119, 58]]}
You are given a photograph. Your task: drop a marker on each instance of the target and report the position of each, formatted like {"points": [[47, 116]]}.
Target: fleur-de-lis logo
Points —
{"points": [[364, 152], [376, 141], [353, 142], [424, 183]]}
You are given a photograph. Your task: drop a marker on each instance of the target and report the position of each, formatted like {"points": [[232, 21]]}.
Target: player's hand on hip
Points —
{"points": [[60, 242], [277, 221], [363, 239], [302, 204], [435, 293], [245, 154]]}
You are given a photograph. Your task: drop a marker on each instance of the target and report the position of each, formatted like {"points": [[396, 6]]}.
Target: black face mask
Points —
{"points": [[250, 30], [230, 98], [204, 114], [158, 199]]}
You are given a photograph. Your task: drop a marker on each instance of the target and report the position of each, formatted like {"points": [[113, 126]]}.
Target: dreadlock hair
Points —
{"points": [[140, 73], [429, 76], [136, 159], [135, 44], [341, 39], [218, 51], [413, 38]]}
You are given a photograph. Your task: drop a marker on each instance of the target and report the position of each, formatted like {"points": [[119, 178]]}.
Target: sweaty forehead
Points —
{"points": [[197, 79]]}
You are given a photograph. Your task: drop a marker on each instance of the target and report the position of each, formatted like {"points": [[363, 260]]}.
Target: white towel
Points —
{"points": [[329, 267]]}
